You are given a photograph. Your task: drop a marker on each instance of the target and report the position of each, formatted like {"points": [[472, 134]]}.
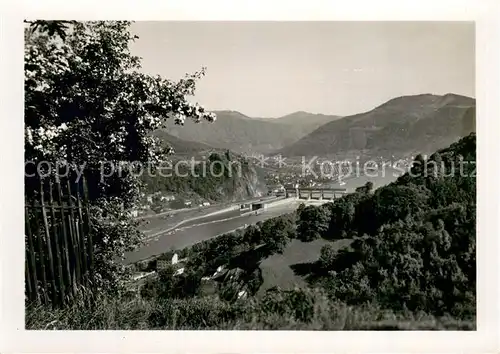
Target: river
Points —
{"points": [[224, 222]]}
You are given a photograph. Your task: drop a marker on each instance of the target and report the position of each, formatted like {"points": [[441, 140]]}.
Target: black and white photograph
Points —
{"points": [[250, 175]]}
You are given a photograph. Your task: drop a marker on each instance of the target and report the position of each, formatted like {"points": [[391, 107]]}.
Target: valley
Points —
{"points": [[145, 210]]}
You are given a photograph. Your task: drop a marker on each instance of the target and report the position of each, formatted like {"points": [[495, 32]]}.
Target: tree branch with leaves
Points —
{"points": [[87, 104]]}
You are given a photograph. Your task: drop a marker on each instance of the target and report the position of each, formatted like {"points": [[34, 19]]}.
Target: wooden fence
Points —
{"points": [[59, 247]]}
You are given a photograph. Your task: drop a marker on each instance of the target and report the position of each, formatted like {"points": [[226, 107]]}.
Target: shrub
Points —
{"points": [[327, 256], [312, 223]]}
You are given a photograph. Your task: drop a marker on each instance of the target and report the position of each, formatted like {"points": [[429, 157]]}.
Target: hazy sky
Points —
{"points": [[269, 69]]}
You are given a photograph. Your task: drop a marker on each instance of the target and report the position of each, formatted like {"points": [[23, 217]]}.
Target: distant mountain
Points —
{"points": [[180, 146], [422, 123], [305, 118], [238, 132]]}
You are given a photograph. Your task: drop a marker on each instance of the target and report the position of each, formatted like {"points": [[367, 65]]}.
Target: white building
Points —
{"points": [[179, 271], [219, 269]]}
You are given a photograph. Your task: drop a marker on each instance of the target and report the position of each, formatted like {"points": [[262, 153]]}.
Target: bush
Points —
{"points": [[327, 256], [166, 286], [312, 223]]}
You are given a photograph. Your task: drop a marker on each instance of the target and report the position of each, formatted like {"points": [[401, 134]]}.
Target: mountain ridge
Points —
{"points": [[235, 131], [422, 122], [399, 125]]}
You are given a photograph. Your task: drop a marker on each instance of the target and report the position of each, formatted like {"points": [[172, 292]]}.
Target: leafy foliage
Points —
{"points": [[312, 223], [277, 232], [412, 265], [327, 256], [87, 107], [167, 286], [418, 252]]}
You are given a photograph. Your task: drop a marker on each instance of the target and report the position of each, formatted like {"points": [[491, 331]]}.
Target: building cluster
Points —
{"points": [[161, 202]]}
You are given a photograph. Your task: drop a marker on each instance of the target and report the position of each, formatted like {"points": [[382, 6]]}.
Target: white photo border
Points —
{"points": [[13, 336]]}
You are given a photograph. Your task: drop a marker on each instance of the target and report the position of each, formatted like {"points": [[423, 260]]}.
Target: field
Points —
{"points": [[277, 269]]}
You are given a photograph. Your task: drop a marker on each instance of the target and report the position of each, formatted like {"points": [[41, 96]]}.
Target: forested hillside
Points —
{"points": [[414, 241], [231, 178], [403, 125]]}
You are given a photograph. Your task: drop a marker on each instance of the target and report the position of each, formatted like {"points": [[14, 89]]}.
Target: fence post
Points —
{"points": [[73, 235], [31, 261], [42, 256], [69, 274], [27, 278], [56, 235], [49, 245], [81, 235], [89, 227]]}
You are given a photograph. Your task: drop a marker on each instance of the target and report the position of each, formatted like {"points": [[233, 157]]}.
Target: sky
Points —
{"points": [[270, 69]]}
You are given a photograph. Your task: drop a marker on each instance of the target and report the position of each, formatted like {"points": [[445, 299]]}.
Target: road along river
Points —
{"points": [[189, 235], [153, 225], [206, 227]]}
